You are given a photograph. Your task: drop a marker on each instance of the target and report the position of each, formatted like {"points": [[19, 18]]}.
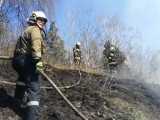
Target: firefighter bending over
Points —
{"points": [[77, 53]]}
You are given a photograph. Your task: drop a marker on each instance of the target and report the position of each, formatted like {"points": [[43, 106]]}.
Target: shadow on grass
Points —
{"points": [[8, 101]]}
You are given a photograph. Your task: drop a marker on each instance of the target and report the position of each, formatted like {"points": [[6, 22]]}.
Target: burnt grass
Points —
{"points": [[124, 99]]}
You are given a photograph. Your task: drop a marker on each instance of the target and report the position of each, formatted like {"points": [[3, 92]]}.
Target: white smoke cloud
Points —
{"points": [[155, 68], [145, 15]]}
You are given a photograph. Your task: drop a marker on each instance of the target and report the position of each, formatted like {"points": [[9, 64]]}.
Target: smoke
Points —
{"points": [[145, 69], [155, 68], [145, 15], [155, 75]]}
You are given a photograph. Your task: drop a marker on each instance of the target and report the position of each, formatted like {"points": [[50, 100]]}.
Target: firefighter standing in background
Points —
{"points": [[27, 62], [77, 53], [112, 58]]}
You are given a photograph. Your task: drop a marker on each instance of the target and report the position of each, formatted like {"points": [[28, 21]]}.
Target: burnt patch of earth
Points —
{"points": [[125, 99]]}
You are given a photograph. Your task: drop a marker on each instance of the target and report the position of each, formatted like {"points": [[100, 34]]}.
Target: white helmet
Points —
{"points": [[35, 15], [112, 49], [112, 55], [78, 43]]}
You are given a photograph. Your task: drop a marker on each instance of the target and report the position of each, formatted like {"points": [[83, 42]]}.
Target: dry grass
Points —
{"points": [[120, 103]]}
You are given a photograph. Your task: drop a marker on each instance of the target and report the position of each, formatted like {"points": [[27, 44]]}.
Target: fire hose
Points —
{"points": [[57, 89], [5, 57]]}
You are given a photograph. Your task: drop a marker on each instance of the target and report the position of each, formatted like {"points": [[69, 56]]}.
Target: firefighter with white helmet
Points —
{"points": [[27, 62], [78, 43], [112, 49], [77, 53], [35, 16]]}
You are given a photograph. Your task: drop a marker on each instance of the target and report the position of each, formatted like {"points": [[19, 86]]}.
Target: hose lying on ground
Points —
{"points": [[62, 95], [6, 57]]}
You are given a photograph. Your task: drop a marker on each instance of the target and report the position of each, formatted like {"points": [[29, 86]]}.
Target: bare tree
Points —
{"points": [[18, 10], [13, 14], [82, 27], [72, 35], [94, 30]]}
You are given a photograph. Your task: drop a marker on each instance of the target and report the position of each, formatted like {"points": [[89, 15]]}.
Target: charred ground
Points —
{"points": [[125, 99]]}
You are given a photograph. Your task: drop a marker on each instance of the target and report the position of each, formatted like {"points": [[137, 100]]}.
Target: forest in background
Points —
{"points": [[93, 31]]}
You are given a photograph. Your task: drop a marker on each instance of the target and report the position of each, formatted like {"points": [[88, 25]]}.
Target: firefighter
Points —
{"points": [[112, 59], [77, 53], [27, 62]]}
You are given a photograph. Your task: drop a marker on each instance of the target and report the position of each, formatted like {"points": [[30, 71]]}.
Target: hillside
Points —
{"points": [[125, 99]]}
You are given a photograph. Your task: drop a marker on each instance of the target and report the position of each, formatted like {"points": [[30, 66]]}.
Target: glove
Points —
{"points": [[39, 67]]}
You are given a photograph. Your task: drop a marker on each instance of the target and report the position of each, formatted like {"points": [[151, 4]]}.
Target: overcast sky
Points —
{"points": [[141, 14]]}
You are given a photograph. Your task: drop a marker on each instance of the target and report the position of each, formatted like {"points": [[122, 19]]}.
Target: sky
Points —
{"points": [[143, 15]]}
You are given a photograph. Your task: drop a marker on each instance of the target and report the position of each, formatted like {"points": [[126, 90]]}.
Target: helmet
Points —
{"points": [[78, 43], [35, 15], [112, 49], [112, 55]]}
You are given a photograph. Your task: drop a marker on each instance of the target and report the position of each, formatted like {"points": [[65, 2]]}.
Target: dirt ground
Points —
{"points": [[125, 99]]}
